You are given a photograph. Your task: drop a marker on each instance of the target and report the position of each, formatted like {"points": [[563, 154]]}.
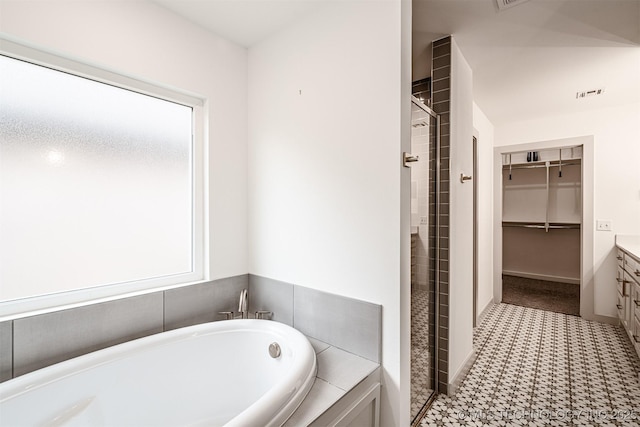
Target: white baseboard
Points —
{"points": [[561, 279], [456, 380], [484, 312], [605, 319]]}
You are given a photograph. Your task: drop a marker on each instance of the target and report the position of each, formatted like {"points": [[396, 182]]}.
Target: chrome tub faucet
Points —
{"points": [[243, 309]]}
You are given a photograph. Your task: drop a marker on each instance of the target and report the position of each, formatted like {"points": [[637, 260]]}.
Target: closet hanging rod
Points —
{"points": [[552, 164], [542, 226]]}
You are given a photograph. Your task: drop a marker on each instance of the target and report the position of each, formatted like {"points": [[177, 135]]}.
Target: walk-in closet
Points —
{"points": [[541, 228]]}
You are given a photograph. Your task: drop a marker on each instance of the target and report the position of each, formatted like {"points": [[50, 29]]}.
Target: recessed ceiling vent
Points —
{"points": [[588, 93], [506, 4]]}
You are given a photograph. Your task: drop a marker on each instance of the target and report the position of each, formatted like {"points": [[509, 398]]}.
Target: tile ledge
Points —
{"points": [[307, 412]]}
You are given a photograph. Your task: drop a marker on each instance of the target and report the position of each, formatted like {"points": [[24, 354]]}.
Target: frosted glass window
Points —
{"points": [[96, 183]]}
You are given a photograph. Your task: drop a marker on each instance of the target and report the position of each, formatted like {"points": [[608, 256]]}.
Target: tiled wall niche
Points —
{"points": [[34, 342]]}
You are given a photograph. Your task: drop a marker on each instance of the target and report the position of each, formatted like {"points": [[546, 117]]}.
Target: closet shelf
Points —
{"points": [[536, 165], [542, 225]]}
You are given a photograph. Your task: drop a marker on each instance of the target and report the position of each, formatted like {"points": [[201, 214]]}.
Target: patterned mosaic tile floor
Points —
{"points": [[539, 368], [420, 356]]}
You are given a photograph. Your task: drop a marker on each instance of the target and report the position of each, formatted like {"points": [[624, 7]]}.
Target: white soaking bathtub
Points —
{"points": [[214, 374]]}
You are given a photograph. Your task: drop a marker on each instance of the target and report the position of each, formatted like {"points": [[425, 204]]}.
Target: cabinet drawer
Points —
{"points": [[630, 265], [633, 268], [621, 308], [635, 337], [620, 282], [620, 257], [635, 302]]}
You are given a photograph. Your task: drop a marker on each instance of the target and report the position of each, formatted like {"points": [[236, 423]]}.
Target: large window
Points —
{"points": [[97, 188]]}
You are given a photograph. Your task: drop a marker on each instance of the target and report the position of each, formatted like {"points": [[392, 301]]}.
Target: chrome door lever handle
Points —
{"points": [[464, 178], [408, 158]]}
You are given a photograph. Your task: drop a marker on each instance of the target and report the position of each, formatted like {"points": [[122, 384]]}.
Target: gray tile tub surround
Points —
{"points": [[38, 341], [350, 324], [202, 303], [271, 295], [347, 323], [45, 339], [6, 350]]}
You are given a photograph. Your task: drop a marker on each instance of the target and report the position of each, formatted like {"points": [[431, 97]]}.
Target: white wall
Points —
{"points": [[484, 181], [461, 215], [143, 39], [326, 120], [616, 132]]}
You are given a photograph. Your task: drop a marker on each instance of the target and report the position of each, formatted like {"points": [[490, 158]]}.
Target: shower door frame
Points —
{"points": [[436, 267]]}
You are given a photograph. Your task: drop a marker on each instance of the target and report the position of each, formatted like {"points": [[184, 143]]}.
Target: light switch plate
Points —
{"points": [[602, 225]]}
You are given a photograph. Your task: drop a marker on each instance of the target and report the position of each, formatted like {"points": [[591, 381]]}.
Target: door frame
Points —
{"points": [[587, 238]]}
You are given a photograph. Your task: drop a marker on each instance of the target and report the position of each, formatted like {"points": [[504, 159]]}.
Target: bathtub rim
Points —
{"points": [[59, 371], [286, 410]]}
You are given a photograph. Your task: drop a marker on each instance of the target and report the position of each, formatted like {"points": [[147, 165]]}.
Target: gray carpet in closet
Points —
{"points": [[541, 294]]}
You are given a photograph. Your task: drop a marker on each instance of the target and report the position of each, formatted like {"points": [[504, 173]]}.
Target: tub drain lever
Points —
{"points": [[274, 350]]}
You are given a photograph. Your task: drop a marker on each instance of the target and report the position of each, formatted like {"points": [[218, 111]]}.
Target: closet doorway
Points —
{"points": [[542, 222]]}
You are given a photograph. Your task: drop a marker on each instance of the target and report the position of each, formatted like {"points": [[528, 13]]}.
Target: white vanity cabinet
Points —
{"points": [[628, 286], [635, 305], [622, 288]]}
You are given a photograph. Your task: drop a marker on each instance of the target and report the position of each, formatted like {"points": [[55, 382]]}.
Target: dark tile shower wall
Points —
{"points": [[435, 92], [421, 89], [440, 102]]}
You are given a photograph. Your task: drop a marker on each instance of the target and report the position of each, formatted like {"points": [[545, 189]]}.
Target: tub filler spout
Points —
{"points": [[243, 304]]}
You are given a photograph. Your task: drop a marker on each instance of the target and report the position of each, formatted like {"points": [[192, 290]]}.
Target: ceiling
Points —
{"points": [[531, 59], [527, 61], [245, 22]]}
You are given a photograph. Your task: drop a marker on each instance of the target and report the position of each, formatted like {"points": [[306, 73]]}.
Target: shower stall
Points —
{"points": [[425, 183]]}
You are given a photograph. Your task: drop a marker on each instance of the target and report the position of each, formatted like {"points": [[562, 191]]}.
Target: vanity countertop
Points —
{"points": [[629, 244], [338, 372]]}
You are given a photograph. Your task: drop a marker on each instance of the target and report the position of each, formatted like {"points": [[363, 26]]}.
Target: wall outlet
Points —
{"points": [[603, 225], [423, 220]]}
